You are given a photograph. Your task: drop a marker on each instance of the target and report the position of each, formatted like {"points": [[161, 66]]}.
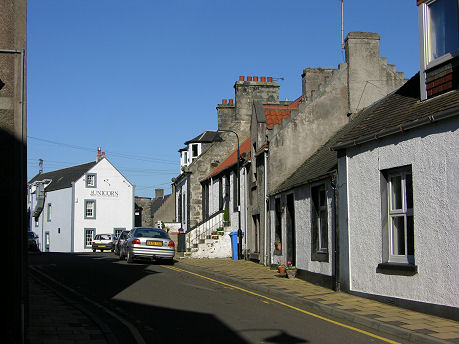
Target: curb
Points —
{"points": [[339, 313]]}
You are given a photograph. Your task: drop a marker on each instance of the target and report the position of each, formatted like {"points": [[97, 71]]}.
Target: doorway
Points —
{"points": [[290, 229]]}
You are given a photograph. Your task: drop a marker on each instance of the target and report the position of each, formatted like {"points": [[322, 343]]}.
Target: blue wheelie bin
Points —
{"points": [[234, 245]]}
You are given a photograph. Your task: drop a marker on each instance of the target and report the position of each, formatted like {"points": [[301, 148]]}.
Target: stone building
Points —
{"points": [[13, 136], [285, 135]]}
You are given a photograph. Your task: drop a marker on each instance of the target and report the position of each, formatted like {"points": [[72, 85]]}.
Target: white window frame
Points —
{"points": [[426, 52], [86, 202], [91, 232], [322, 247], [403, 212]]}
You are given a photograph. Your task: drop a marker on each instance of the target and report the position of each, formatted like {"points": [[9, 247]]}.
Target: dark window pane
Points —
{"points": [[323, 229], [410, 235], [396, 192], [398, 235], [409, 191]]}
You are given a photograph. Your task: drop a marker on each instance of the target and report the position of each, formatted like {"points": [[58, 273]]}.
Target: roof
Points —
{"points": [[275, 113], [205, 137], [62, 179], [231, 160], [396, 112], [156, 203]]}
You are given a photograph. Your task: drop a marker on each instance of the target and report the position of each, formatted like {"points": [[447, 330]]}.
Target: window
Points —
{"points": [[91, 180], [48, 212], [319, 223], [400, 220], [194, 150], [90, 209], [235, 192], [88, 236], [441, 28], [278, 220]]}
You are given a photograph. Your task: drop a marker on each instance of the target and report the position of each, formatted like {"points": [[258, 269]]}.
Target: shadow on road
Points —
{"points": [[102, 276]]}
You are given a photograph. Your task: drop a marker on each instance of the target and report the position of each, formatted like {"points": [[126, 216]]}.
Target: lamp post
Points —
{"points": [[239, 230]]}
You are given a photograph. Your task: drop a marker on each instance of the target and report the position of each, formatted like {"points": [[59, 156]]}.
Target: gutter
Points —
{"points": [[397, 129], [265, 204]]}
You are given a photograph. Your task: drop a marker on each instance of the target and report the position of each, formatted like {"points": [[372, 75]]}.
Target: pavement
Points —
{"points": [[57, 318]]}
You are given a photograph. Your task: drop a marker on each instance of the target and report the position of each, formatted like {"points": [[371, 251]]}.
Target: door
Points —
{"points": [[290, 224], [47, 238]]}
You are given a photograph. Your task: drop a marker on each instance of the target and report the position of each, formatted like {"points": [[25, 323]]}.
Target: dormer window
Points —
{"points": [[439, 48], [194, 150], [442, 28]]}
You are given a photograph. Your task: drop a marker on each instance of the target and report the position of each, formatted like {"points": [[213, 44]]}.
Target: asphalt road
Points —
{"points": [[161, 304]]}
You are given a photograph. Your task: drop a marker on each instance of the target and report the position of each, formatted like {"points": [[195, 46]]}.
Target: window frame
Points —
{"points": [[49, 207], [86, 201], [396, 212], [319, 239], [425, 25], [86, 231], [88, 175]]}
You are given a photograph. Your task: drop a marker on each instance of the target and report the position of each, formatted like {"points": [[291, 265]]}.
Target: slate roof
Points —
{"points": [[231, 160], [396, 112], [156, 203], [205, 137], [62, 179], [393, 113]]}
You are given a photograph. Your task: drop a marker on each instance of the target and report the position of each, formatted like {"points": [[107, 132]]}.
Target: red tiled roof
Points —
{"points": [[232, 158], [275, 113]]}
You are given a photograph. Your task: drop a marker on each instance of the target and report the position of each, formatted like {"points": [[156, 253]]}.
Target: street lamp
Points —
{"points": [[239, 230]]}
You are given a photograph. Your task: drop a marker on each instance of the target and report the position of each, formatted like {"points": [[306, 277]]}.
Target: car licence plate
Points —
{"points": [[154, 243], [101, 245]]}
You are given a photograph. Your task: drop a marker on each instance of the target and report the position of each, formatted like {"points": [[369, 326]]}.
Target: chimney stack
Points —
{"points": [[159, 193]]}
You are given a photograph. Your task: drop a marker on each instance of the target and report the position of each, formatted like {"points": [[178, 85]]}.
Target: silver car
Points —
{"points": [[147, 242]]}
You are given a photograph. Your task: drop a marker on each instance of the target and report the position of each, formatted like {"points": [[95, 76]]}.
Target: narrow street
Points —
{"points": [[163, 303]]}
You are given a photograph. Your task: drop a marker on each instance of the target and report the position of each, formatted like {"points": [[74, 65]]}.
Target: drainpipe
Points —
{"points": [[334, 185], [266, 205], [72, 220]]}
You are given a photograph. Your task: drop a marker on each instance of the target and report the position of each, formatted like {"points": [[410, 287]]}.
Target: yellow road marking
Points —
{"points": [[287, 305]]}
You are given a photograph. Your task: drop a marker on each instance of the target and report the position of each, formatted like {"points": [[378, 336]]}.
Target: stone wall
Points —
{"points": [[331, 97]]}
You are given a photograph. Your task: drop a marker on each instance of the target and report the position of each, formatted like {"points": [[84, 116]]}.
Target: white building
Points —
{"points": [[68, 207]]}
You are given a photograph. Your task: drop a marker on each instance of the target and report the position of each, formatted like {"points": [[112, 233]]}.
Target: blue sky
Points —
{"points": [[138, 78]]}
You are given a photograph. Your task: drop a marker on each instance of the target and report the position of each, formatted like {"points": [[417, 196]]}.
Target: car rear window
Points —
{"points": [[151, 233], [105, 237]]}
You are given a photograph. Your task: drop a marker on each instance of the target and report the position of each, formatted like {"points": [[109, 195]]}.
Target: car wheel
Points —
{"points": [[93, 250], [121, 255], [129, 258]]}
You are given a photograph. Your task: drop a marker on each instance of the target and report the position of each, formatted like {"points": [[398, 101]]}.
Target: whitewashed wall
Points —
{"points": [[432, 151], [304, 233], [114, 211]]}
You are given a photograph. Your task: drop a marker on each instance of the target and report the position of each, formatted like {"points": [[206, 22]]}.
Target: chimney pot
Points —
{"points": [[241, 78], [249, 78], [255, 78], [270, 79], [224, 101], [263, 79], [231, 101]]}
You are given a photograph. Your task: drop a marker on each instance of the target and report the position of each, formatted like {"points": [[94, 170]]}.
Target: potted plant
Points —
{"points": [[278, 245], [291, 270], [281, 268]]}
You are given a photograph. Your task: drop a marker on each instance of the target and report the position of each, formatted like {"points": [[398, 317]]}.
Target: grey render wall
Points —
{"points": [[432, 153], [363, 79], [166, 213]]}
